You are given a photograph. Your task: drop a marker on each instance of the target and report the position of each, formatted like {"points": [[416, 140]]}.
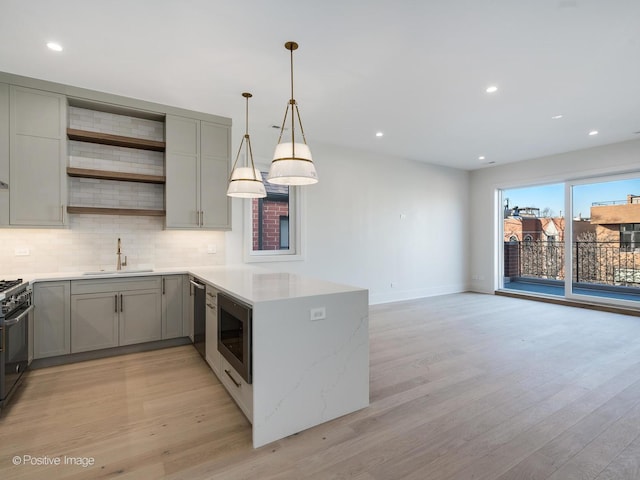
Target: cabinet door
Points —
{"points": [[94, 321], [172, 306], [182, 170], [52, 319], [140, 316], [37, 157], [212, 353], [214, 176], [4, 153]]}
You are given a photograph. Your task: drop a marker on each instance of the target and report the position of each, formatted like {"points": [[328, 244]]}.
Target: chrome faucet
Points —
{"points": [[120, 263]]}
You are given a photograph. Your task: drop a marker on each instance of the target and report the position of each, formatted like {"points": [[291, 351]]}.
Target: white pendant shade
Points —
{"points": [[246, 184], [289, 169]]}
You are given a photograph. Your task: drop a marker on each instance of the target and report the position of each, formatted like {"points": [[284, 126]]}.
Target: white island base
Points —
{"points": [[305, 371], [308, 372]]}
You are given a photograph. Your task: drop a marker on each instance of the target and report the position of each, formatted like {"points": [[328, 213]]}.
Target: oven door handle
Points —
{"points": [[196, 284], [13, 321]]}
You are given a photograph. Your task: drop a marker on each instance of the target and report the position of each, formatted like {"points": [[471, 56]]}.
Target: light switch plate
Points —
{"points": [[22, 251], [211, 248]]}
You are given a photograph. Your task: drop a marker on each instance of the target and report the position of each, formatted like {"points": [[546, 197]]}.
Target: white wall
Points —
{"points": [[609, 159], [354, 233]]}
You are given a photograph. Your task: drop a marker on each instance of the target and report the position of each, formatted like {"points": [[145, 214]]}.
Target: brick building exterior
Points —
{"points": [[270, 217]]}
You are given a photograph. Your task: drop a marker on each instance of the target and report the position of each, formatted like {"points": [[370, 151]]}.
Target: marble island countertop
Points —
{"points": [[247, 283]]}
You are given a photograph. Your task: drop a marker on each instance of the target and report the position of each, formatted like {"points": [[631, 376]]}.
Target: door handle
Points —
{"points": [[163, 291], [116, 302], [121, 302], [13, 321], [196, 284], [235, 382]]}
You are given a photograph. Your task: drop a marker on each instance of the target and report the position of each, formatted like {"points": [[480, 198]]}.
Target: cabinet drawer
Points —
{"points": [[212, 296], [104, 285], [240, 390]]}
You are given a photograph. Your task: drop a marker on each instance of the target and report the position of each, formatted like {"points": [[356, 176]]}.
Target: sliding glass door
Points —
{"points": [[532, 239], [605, 260], [590, 253]]}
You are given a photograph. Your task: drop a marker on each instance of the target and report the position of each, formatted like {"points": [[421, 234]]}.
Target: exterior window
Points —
{"points": [[630, 237], [528, 238], [513, 238], [274, 225], [284, 232]]}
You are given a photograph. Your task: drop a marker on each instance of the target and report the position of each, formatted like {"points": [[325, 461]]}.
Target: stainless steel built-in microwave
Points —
{"points": [[234, 334]]}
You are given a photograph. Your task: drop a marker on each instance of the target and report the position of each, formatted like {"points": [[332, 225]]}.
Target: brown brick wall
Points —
{"points": [[271, 213], [615, 214]]}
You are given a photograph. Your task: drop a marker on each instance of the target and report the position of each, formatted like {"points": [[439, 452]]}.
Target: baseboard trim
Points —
{"points": [[107, 352], [569, 303]]}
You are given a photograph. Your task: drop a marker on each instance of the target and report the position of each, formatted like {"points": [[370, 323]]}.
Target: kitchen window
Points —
{"points": [[273, 225]]}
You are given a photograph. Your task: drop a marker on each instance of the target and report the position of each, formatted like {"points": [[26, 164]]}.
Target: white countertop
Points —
{"points": [[247, 283]]}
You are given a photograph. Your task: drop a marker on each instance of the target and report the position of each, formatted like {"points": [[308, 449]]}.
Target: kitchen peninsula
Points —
{"points": [[310, 345]]}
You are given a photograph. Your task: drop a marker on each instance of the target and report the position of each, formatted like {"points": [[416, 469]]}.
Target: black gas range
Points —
{"points": [[15, 306]]}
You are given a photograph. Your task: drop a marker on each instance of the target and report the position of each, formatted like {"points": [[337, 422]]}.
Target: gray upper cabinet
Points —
{"points": [[197, 167], [52, 319], [4, 154], [214, 176], [37, 157]]}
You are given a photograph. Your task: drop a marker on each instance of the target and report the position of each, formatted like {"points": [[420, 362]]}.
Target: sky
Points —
{"points": [[552, 196]]}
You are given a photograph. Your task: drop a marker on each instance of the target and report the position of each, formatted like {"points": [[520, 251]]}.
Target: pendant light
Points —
{"points": [[246, 182], [292, 163]]}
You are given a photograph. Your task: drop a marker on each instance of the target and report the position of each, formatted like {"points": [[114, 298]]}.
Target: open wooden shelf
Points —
{"points": [[116, 211], [115, 140], [108, 175]]}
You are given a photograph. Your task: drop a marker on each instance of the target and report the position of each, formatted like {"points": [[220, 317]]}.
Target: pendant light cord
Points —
{"points": [[293, 105], [247, 144]]}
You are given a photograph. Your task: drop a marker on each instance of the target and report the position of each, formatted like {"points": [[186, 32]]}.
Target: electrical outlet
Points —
{"points": [[22, 251], [211, 248], [319, 313]]}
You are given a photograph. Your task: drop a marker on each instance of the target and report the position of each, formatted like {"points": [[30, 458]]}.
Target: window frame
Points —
{"points": [[296, 231]]}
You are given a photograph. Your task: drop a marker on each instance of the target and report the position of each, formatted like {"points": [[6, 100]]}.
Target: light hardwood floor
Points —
{"points": [[463, 386]]}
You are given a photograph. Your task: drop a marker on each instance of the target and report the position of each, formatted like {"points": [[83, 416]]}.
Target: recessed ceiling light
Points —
{"points": [[593, 132], [379, 134], [56, 47], [557, 117], [492, 89], [481, 157]]}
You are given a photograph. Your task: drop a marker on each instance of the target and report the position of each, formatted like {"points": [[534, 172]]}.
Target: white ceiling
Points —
{"points": [[416, 70]]}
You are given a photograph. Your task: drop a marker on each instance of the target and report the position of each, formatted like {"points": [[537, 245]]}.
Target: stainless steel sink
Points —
{"points": [[119, 272]]}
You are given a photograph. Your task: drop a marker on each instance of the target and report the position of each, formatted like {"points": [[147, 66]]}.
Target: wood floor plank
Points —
{"points": [[462, 386]]}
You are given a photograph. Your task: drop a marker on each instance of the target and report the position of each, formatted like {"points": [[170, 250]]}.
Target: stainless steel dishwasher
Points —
{"points": [[199, 317]]}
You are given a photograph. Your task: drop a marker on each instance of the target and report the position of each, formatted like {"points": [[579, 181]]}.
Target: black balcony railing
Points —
{"points": [[603, 263]]}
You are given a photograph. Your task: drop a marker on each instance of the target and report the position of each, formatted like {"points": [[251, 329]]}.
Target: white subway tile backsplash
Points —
{"points": [[90, 244]]}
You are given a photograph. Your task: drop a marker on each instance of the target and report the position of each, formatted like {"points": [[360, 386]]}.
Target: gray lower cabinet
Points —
{"points": [[51, 319], [94, 321], [108, 313], [140, 316], [173, 304]]}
